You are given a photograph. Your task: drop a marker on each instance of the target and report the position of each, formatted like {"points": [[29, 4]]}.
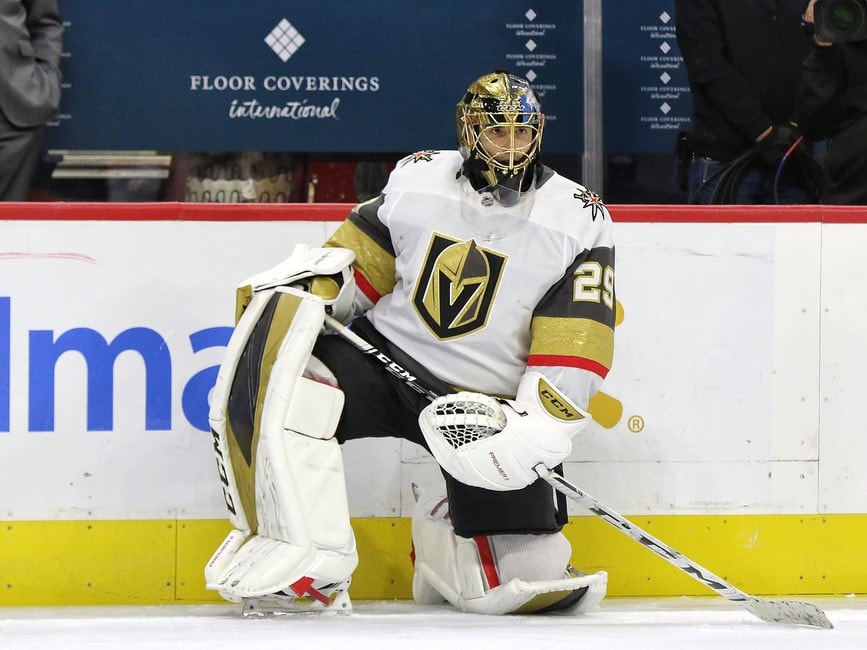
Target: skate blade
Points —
{"points": [[275, 606]]}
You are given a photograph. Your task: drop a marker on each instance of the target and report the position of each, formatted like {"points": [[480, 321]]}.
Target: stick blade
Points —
{"points": [[791, 612]]}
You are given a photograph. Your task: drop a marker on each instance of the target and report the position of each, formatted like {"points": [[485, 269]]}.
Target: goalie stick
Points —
{"points": [[791, 612]]}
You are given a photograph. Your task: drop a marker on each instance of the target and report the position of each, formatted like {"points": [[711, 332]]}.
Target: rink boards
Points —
{"points": [[730, 426]]}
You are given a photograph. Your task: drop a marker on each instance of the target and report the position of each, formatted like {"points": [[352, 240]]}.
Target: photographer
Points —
{"points": [[832, 103], [743, 59]]}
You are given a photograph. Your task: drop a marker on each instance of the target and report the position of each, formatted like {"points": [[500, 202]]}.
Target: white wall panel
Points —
{"points": [[843, 363], [743, 350]]}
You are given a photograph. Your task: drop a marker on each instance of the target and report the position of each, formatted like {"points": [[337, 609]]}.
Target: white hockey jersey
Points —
{"points": [[477, 292]]}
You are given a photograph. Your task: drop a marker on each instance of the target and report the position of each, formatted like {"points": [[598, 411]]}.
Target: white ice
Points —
{"points": [[664, 624]]}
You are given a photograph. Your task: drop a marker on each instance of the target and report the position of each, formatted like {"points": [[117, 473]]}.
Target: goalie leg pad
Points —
{"points": [[506, 574], [324, 272], [222, 558], [282, 469]]}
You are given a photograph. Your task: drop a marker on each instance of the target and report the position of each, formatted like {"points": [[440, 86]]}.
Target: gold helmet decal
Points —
{"points": [[456, 286]]}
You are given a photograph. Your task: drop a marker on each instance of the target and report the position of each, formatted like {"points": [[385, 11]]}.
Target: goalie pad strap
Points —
{"points": [[486, 557]]}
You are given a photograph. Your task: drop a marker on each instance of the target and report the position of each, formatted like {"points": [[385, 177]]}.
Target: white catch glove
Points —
{"points": [[495, 444]]}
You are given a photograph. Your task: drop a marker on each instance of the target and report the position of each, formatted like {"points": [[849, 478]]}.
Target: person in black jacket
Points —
{"points": [[743, 60], [31, 42], [833, 106]]}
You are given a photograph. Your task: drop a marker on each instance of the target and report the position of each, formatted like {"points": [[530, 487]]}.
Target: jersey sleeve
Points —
{"points": [[363, 233], [573, 324]]}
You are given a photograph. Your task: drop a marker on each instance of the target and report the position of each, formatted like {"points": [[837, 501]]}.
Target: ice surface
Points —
{"points": [[669, 624]]}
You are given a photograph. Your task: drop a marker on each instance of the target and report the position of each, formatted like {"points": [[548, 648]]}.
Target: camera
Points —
{"points": [[840, 21]]}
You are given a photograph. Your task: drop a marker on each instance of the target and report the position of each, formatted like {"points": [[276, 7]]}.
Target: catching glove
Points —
{"points": [[494, 444]]}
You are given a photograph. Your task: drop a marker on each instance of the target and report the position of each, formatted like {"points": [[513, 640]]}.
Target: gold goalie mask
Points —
{"points": [[499, 123]]}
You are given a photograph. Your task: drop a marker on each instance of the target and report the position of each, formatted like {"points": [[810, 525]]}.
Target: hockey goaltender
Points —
{"points": [[482, 285]]}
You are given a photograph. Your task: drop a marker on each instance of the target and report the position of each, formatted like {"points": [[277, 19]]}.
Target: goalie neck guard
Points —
{"points": [[499, 128]]}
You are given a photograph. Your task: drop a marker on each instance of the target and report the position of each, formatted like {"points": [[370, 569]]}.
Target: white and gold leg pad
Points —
{"points": [[498, 574], [281, 467]]}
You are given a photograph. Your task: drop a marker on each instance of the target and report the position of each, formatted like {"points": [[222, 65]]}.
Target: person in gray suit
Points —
{"points": [[31, 34]]}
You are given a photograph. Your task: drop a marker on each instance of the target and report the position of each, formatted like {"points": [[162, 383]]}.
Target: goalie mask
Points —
{"points": [[499, 123]]}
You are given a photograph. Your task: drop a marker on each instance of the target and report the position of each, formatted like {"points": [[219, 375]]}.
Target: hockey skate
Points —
{"points": [[307, 596]]}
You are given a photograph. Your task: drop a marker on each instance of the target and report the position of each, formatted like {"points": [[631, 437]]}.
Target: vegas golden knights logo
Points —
{"points": [[456, 286]]}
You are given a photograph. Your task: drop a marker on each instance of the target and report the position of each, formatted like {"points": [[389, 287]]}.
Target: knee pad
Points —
{"points": [[280, 467], [498, 574]]}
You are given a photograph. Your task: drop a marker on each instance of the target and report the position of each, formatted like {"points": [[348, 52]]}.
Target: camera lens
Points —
{"points": [[844, 15], [840, 21]]}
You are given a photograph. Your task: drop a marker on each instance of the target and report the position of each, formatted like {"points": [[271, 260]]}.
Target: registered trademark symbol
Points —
{"points": [[635, 423]]}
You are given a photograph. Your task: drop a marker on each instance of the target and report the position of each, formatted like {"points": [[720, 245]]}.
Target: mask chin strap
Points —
{"points": [[507, 191]]}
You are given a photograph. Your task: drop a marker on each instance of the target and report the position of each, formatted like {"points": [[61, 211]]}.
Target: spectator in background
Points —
{"points": [[30, 47], [743, 59], [833, 105]]}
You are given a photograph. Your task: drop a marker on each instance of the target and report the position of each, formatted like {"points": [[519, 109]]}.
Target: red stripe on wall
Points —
{"points": [[171, 211], [738, 214]]}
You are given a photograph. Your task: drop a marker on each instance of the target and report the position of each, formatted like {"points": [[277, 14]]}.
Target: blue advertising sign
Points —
{"points": [[647, 99], [338, 76]]}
